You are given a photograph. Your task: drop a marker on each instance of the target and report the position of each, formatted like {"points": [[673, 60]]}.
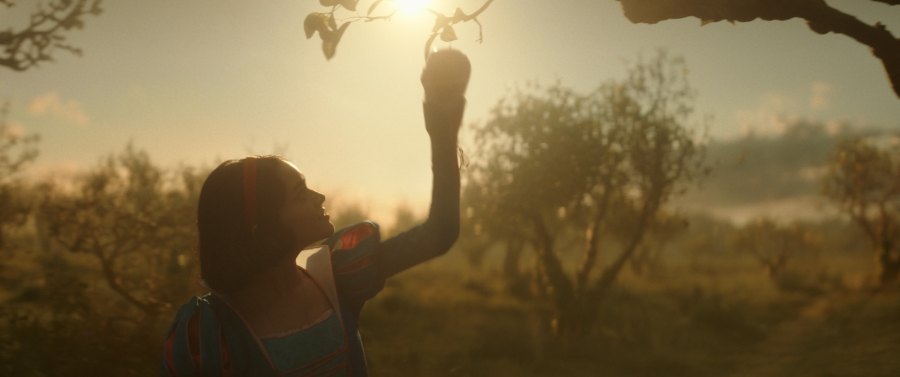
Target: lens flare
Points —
{"points": [[411, 7]]}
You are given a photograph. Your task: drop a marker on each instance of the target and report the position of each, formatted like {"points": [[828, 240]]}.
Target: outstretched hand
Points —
{"points": [[446, 76]]}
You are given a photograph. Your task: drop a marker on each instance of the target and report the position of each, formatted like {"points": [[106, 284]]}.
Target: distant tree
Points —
{"points": [[26, 46], [660, 235], [773, 245], [348, 213], [820, 17], [137, 223], [326, 23], [553, 164], [864, 181], [404, 219], [16, 151]]}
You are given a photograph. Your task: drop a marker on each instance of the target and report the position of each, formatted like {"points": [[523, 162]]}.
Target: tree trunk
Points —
{"points": [[610, 273], [517, 283], [888, 264], [514, 249]]}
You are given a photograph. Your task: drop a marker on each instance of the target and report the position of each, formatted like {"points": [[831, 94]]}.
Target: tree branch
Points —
{"points": [[820, 17], [563, 293], [610, 273], [26, 48], [593, 243]]}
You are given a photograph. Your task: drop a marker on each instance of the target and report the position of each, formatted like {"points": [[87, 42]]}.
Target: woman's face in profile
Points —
{"points": [[303, 212]]}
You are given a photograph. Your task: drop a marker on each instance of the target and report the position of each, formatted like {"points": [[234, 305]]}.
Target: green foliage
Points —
{"points": [[554, 163], [864, 181], [64, 327], [45, 33], [136, 222], [773, 245], [16, 152], [330, 33], [445, 320], [710, 316], [110, 254]]}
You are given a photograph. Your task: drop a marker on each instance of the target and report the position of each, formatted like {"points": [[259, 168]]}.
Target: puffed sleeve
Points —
{"points": [[354, 260]]}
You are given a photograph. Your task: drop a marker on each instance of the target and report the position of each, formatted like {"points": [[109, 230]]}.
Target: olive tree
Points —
{"points": [[864, 181], [773, 245], [554, 165], [137, 223], [16, 151]]}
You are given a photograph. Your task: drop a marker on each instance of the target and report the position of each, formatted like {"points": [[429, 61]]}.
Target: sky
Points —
{"points": [[199, 81]]}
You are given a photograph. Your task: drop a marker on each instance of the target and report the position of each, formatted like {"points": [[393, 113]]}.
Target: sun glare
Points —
{"points": [[411, 7]]}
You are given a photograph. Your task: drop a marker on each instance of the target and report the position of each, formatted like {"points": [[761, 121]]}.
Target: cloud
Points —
{"points": [[60, 173], [820, 98], [68, 110], [776, 110], [13, 129], [770, 116]]}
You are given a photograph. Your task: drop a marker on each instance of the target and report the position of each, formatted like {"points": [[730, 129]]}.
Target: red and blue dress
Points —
{"points": [[209, 338]]}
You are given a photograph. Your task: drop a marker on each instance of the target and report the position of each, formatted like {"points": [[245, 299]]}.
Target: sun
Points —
{"points": [[411, 7]]}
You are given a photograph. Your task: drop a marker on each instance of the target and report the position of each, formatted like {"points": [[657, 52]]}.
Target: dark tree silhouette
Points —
{"points": [[45, 32], [820, 17], [16, 151], [136, 222], [773, 245], [864, 181], [555, 166]]}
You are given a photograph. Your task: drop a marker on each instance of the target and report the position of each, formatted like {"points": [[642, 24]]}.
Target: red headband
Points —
{"points": [[250, 192]]}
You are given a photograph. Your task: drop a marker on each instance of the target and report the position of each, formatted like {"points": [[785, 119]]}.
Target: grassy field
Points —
{"points": [[688, 316], [705, 318]]}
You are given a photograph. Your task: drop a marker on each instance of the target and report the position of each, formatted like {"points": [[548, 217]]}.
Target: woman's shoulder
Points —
{"points": [[195, 335], [352, 237], [354, 256]]}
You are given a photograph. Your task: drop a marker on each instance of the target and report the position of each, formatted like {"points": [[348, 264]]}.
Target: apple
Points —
{"points": [[446, 75]]}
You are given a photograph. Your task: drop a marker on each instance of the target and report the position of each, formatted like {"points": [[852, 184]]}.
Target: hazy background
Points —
{"points": [[201, 81], [751, 270]]}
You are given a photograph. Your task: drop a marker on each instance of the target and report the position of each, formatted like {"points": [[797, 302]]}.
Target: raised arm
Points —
{"points": [[444, 79]]}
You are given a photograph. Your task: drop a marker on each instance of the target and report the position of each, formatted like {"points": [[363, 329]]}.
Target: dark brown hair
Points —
{"points": [[232, 250]]}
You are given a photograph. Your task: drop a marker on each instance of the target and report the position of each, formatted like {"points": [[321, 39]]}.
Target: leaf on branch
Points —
{"points": [[459, 15], [74, 50], [448, 34], [96, 9], [329, 3], [329, 47], [314, 22], [330, 40], [349, 4], [372, 7], [440, 22], [72, 23]]}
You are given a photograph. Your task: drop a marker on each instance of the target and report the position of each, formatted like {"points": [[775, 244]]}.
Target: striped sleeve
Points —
{"points": [[353, 255]]}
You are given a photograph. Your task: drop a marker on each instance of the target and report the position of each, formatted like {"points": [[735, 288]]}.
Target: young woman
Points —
{"points": [[274, 311]]}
